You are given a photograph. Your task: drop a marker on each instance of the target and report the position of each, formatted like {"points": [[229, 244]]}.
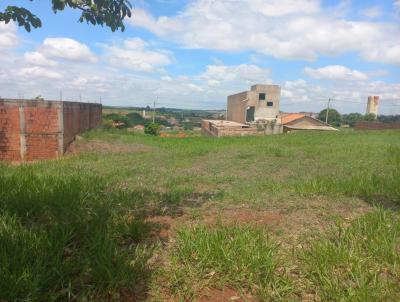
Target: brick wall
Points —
{"points": [[35, 130], [41, 130], [78, 118], [364, 125], [9, 132]]}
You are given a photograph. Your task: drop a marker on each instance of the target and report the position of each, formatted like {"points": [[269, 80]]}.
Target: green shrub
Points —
{"points": [[152, 129], [107, 124]]}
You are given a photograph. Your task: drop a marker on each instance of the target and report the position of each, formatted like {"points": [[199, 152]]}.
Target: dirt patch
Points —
{"points": [[289, 222], [225, 294], [98, 146], [236, 215], [161, 226]]}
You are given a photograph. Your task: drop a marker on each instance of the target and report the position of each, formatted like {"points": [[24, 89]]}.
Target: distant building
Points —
{"points": [[253, 112], [220, 128], [312, 114], [139, 128], [373, 105], [118, 124], [299, 122], [260, 103]]}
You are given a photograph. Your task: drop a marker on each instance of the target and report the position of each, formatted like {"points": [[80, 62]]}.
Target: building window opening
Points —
{"points": [[261, 96], [270, 104], [250, 114]]}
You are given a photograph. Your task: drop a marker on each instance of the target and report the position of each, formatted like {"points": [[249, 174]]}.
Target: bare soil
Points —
{"points": [[225, 294]]}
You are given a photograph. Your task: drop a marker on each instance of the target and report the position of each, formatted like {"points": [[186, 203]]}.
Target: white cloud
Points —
{"points": [[8, 35], [372, 12], [38, 72], [350, 96], [285, 29], [390, 54], [396, 4], [195, 87], [37, 58], [335, 72], [278, 8], [243, 73], [68, 49], [136, 54]]}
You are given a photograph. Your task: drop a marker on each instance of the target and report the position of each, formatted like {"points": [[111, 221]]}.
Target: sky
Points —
{"points": [[193, 54]]}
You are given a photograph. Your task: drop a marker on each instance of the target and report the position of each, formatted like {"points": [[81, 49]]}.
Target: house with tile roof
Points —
{"points": [[301, 122]]}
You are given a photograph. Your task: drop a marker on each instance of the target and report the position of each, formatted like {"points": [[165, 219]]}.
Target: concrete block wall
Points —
{"points": [[34, 130]]}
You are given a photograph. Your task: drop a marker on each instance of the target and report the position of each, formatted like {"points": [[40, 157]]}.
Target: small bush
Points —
{"points": [[152, 129], [107, 124]]}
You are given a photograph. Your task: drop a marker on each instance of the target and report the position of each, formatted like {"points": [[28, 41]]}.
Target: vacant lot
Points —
{"points": [[299, 217]]}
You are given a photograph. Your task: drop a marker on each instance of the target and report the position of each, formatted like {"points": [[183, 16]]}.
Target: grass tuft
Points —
{"points": [[62, 238], [242, 257], [357, 263]]}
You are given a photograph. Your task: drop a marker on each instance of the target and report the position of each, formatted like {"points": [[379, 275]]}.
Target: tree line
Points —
{"points": [[336, 119]]}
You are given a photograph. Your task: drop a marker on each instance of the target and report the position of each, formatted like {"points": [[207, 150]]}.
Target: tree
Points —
{"points": [[334, 117], [110, 13], [370, 117], [115, 117], [152, 129], [352, 118], [136, 119], [389, 118]]}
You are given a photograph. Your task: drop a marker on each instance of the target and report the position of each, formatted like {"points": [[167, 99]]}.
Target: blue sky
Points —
{"points": [[192, 54]]}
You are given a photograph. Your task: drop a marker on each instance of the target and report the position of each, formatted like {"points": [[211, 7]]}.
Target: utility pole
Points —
{"points": [[80, 97], [60, 95], [154, 110], [327, 111]]}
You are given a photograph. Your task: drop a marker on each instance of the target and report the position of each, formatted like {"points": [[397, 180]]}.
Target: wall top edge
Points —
{"points": [[48, 103]]}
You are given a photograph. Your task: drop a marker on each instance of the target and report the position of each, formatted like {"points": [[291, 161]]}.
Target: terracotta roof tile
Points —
{"points": [[291, 117]]}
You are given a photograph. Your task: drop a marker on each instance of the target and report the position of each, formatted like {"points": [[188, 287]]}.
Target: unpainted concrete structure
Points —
{"points": [[219, 128], [36, 129], [373, 105], [260, 103]]}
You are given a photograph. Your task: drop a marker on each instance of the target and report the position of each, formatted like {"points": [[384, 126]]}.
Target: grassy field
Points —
{"points": [[297, 217]]}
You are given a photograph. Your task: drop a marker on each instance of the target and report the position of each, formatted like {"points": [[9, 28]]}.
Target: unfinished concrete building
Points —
{"points": [[253, 112], [373, 105], [220, 128], [260, 103]]}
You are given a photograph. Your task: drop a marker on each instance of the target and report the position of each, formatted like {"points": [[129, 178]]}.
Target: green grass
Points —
{"points": [[62, 237], [357, 263], [77, 229], [241, 257]]}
